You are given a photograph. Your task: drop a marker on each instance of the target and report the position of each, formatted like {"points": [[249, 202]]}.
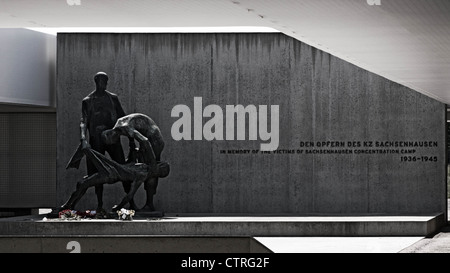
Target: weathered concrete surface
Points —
{"points": [[321, 98], [131, 244], [439, 243], [230, 226]]}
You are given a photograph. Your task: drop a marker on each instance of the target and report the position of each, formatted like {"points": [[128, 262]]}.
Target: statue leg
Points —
{"points": [[99, 194], [92, 168], [102, 165], [139, 179], [82, 186], [150, 190], [127, 189], [116, 153]]}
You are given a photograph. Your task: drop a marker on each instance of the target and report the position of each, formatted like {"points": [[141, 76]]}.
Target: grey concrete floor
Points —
{"points": [[338, 244], [439, 243]]}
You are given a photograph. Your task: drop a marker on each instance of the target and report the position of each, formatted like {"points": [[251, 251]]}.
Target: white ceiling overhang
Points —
{"points": [[407, 41]]}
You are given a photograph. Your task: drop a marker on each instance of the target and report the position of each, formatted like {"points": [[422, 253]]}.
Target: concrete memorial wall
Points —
{"points": [[259, 123]]}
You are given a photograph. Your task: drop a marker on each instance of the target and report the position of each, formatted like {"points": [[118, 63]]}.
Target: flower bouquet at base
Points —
{"points": [[125, 214], [68, 214]]}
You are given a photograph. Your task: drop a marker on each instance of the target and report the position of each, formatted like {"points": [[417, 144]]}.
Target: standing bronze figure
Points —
{"points": [[100, 111]]}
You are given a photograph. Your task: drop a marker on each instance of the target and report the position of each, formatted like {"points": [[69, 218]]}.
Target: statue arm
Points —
{"points": [[83, 130], [128, 132], [83, 124], [145, 147], [132, 154]]}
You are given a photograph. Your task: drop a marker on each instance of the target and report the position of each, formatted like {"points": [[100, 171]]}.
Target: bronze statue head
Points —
{"points": [[101, 80]]}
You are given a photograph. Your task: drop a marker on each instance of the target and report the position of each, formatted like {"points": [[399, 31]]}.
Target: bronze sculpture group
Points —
{"points": [[103, 122]]}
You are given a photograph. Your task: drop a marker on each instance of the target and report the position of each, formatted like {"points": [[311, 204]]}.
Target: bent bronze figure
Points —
{"points": [[142, 166]]}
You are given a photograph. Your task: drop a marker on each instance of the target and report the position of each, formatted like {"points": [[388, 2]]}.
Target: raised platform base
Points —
{"points": [[129, 244], [204, 225], [199, 233]]}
